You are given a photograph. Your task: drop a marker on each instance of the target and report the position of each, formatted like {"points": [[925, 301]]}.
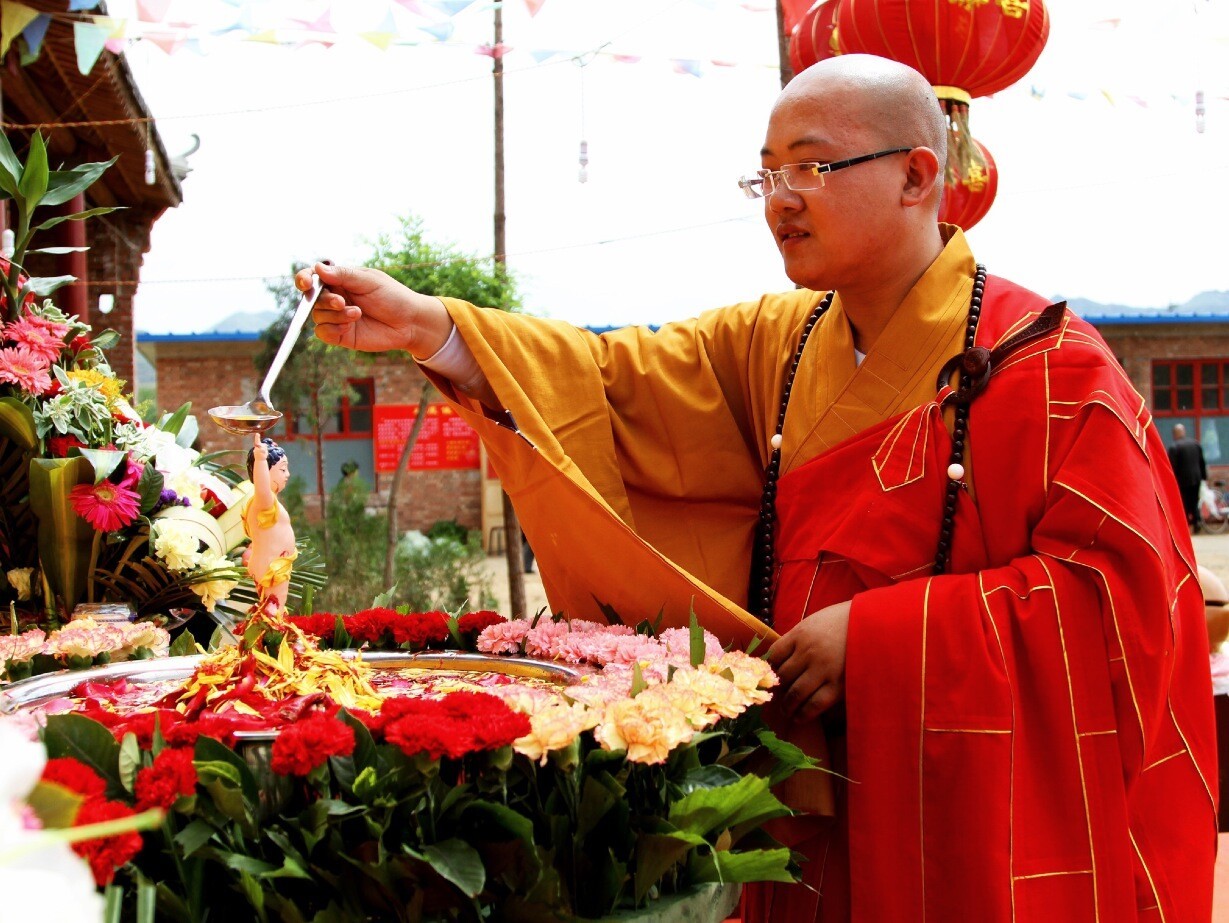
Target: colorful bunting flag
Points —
{"points": [[627, 58], [77, 6], [152, 10], [441, 30], [450, 7], [380, 39], [414, 6], [543, 55], [90, 39], [14, 17], [264, 37], [534, 6], [35, 33], [493, 51], [682, 66], [169, 42]]}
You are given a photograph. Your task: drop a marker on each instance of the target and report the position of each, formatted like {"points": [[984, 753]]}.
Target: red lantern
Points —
{"points": [[814, 39], [975, 47], [966, 202], [965, 48], [792, 12]]}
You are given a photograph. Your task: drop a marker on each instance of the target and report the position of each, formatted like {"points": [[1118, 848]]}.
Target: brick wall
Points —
{"points": [[210, 373], [1137, 345]]}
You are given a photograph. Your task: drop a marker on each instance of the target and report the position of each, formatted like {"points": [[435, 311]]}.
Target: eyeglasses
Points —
{"points": [[803, 177]]}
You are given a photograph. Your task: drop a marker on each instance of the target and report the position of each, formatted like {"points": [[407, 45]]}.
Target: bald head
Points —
{"points": [[892, 102]]}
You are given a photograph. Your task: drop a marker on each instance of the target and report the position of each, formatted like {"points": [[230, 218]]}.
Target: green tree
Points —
{"points": [[442, 269], [313, 381]]}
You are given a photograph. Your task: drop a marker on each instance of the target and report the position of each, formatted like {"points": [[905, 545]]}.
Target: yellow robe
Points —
{"points": [[638, 465]]}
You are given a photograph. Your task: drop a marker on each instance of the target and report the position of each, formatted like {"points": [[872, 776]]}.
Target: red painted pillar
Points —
{"points": [[73, 299]]}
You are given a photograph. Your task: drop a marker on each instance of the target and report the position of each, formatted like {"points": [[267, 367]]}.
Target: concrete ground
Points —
{"points": [[1212, 551]]}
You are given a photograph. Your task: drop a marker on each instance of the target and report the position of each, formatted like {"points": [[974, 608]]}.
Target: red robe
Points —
{"points": [[1030, 736]]}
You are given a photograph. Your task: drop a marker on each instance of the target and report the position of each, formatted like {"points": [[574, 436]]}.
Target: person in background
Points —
{"points": [[1190, 471]]}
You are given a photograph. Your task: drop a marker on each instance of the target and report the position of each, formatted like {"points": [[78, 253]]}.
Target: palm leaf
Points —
{"points": [[152, 588], [64, 538]]}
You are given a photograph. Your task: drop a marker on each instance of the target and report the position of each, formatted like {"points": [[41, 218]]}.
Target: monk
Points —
{"points": [[954, 510], [270, 555]]}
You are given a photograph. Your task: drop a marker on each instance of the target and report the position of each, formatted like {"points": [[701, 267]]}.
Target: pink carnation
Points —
{"points": [[26, 369], [42, 337], [504, 638]]}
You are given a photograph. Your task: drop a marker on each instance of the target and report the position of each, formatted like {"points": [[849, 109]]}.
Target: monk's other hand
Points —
{"points": [[370, 311], [810, 660]]}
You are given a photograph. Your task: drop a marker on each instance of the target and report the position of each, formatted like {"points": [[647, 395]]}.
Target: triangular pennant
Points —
{"points": [[35, 33], [380, 39], [264, 37], [414, 6], [167, 41], [152, 10], [441, 30], [14, 17], [543, 55], [389, 24], [77, 6], [682, 66], [323, 24], [493, 51], [115, 45], [716, 63], [534, 6], [1109, 96], [627, 58], [194, 45], [90, 40], [451, 7]]}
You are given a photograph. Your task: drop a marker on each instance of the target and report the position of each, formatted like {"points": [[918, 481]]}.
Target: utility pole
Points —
{"points": [[512, 528], [787, 69]]}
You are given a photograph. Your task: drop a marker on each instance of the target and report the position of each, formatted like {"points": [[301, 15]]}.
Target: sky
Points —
{"points": [[1107, 191]]}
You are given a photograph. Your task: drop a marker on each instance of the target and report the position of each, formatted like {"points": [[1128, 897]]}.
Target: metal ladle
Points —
{"points": [[258, 414]]}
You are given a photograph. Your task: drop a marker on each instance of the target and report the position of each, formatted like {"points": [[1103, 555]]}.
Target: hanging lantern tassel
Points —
{"points": [[1199, 111], [584, 162], [964, 159], [151, 170]]}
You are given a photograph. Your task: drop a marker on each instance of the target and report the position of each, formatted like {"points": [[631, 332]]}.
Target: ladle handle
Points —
{"points": [[292, 335]]}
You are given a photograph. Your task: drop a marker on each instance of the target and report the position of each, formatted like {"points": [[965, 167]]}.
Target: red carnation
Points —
{"points": [[79, 343], [458, 724], [107, 853], [472, 623], [320, 625], [75, 776], [171, 776], [369, 625], [488, 720], [58, 446], [306, 744], [420, 628]]}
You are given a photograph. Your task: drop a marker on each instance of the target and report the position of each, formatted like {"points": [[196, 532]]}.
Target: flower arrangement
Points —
{"points": [[99, 505], [80, 644], [453, 801]]}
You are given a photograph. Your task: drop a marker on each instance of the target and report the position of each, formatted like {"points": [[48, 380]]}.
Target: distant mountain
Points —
{"points": [[1203, 303], [244, 322]]}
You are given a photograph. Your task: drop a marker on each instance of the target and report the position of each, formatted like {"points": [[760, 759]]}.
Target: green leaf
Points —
{"points": [[105, 339], [193, 837], [62, 185], [17, 423], [709, 810], [55, 805], [710, 776], [10, 167], [789, 757], [364, 744], [184, 645], [227, 798], [129, 761], [458, 862], [515, 823], [33, 183], [86, 740], [753, 865], [170, 423], [249, 864], [209, 750], [78, 216], [58, 251], [655, 855], [697, 640], [187, 432], [103, 461], [150, 488], [383, 599], [44, 285]]}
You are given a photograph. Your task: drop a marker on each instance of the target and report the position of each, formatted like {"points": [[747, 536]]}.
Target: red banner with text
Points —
{"points": [[446, 441]]}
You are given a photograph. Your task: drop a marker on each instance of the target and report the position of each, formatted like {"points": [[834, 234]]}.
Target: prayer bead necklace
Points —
{"points": [[763, 562]]}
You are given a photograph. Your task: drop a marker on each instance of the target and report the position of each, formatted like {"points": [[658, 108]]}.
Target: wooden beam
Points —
{"points": [[21, 94]]}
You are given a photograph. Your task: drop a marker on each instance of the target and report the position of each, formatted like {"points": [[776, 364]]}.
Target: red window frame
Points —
{"points": [[348, 410], [1204, 394]]}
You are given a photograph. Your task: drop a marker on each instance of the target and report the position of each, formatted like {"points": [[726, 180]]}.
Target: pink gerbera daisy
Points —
{"points": [[39, 335], [105, 506], [27, 369]]}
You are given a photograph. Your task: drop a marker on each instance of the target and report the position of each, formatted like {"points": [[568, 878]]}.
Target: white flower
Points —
{"points": [[169, 457], [176, 544], [144, 635], [213, 591], [39, 878], [19, 580]]}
